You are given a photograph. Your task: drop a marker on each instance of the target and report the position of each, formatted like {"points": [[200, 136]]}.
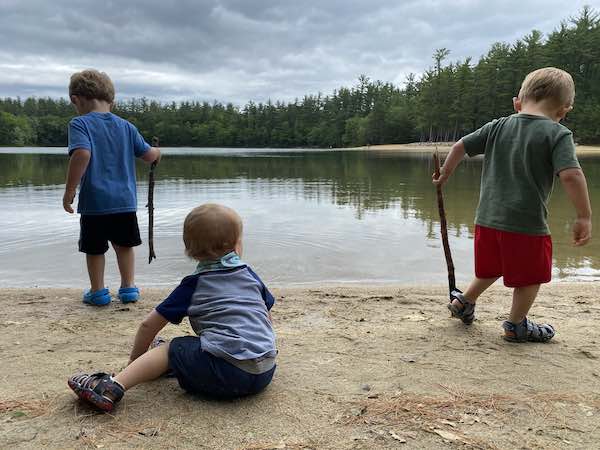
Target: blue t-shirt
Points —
{"points": [[108, 185], [228, 309]]}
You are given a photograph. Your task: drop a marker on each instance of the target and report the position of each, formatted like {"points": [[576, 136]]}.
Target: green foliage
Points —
{"points": [[15, 130], [447, 102]]}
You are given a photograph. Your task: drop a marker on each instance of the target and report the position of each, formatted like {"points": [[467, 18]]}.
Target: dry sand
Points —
{"points": [[359, 368], [444, 147]]}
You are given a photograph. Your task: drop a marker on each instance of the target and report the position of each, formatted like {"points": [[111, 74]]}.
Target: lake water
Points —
{"points": [[310, 217]]}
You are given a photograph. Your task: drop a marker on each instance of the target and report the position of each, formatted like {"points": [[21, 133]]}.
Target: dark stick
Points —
{"points": [[150, 206], [444, 229]]}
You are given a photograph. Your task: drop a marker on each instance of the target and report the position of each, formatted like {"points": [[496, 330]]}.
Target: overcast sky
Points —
{"points": [[241, 50]]}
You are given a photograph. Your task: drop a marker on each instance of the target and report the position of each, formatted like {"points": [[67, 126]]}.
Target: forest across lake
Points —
{"points": [[446, 101]]}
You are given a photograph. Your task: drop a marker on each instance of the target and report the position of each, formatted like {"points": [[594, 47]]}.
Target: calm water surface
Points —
{"points": [[309, 217]]}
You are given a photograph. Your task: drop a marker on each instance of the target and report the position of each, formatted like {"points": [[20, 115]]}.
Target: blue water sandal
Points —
{"points": [[129, 294], [527, 331], [466, 310], [100, 297], [99, 389]]}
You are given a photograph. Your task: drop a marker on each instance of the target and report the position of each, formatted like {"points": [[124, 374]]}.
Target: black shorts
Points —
{"points": [[96, 230]]}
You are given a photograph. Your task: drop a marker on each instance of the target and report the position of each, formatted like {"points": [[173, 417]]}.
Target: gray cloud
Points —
{"points": [[240, 50]]}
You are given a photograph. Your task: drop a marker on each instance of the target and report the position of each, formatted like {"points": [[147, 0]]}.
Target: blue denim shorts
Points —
{"points": [[200, 372]]}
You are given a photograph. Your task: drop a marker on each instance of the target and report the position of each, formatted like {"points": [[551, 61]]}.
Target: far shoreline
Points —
{"points": [[444, 147], [425, 148]]}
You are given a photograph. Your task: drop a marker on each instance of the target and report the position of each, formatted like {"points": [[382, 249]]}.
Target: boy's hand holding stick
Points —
{"points": [[444, 229]]}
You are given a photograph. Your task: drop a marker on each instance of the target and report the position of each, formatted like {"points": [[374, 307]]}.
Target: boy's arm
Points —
{"points": [[152, 155], [573, 180], [173, 309], [142, 149], [80, 158], [146, 333], [455, 156]]}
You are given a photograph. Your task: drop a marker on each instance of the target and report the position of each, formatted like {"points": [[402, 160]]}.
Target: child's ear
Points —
{"points": [[517, 104], [239, 247], [564, 111]]}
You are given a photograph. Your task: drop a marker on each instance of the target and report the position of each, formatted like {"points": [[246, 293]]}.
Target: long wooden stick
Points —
{"points": [[444, 230], [150, 205]]}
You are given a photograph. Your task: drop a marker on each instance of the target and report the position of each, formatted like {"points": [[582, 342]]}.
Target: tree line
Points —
{"points": [[447, 101]]}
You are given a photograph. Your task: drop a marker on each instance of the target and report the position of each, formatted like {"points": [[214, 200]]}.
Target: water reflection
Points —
{"points": [[311, 216]]}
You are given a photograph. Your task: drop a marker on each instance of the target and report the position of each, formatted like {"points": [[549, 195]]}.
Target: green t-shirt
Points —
{"points": [[522, 155]]}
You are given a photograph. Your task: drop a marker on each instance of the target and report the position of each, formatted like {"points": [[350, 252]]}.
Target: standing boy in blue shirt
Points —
{"points": [[233, 352], [102, 150]]}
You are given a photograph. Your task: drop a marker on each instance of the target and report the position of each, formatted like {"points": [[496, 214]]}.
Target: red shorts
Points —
{"points": [[521, 259]]}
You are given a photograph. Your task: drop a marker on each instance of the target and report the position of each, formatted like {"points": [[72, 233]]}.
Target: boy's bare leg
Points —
{"points": [[523, 298], [95, 266], [478, 287], [475, 289], [147, 367], [126, 262]]}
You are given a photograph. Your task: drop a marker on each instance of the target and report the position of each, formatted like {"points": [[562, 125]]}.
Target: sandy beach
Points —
{"points": [[359, 368], [444, 147]]}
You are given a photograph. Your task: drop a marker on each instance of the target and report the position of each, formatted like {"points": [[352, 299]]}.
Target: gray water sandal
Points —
{"points": [[466, 313], [527, 331]]}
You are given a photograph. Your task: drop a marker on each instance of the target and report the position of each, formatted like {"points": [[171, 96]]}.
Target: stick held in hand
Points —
{"points": [[150, 205], [444, 231]]}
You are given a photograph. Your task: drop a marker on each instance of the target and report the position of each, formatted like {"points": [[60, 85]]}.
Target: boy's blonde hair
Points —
{"points": [[211, 231], [92, 84], [549, 83]]}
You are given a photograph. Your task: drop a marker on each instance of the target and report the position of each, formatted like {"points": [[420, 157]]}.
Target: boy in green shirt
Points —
{"points": [[522, 155]]}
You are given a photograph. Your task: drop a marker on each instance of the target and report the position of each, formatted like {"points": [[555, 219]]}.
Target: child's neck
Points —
{"points": [[541, 109], [94, 105]]}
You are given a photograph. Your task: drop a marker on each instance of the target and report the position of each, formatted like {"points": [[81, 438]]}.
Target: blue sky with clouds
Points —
{"points": [[241, 50]]}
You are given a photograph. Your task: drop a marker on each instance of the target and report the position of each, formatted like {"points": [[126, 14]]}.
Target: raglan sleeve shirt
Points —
{"points": [[175, 307], [266, 295], [78, 136]]}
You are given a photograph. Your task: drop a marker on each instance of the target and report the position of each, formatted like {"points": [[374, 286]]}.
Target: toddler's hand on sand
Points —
{"points": [[68, 201], [582, 232]]}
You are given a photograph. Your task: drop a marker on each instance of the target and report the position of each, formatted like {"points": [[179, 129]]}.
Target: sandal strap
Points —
{"points": [[86, 381], [455, 293], [461, 298], [101, 383], [108, 385], [529, 331], [539, 332], [467, 312]]}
